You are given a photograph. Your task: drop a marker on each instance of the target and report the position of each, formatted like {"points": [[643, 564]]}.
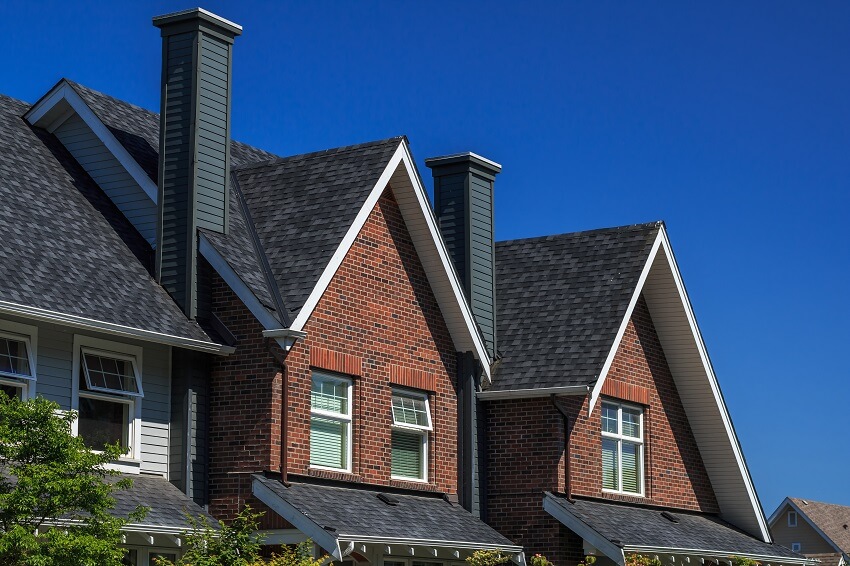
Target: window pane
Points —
{"points": [[407, 454], [610, 478], [103, 422], [11, 391], [609, 418], [328, 395], [410, 410], [13, 357], [631, 468], [631, 423], [328, 443], [111, 373]]}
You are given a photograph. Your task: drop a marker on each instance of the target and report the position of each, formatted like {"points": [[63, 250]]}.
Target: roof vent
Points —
{"points": [[845, 527], [805, 502], [670, 517], [388, 499]]}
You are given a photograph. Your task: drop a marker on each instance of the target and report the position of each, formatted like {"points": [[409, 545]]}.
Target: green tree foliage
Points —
{"points": [[55, 496], [236, 544], [487, 558], [641, 560]]}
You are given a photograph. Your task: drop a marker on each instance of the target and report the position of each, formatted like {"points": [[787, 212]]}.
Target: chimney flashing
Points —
{"points": [[467, 157]]}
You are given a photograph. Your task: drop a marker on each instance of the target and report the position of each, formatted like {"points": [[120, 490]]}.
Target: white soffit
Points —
{"points": [[60, 103], [662, 286], [400, 174]]}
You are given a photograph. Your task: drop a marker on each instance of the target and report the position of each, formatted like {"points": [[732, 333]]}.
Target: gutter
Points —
{"points": [[714, 554], [531, 393], [114, 329]]}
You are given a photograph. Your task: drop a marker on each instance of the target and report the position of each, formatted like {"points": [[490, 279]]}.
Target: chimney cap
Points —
{"points": [[467, 157], [196, 14]]}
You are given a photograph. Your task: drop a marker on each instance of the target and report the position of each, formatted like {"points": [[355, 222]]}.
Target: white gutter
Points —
{"points": [[466, 545], [530, 393], [84, 323], [777, 560]]}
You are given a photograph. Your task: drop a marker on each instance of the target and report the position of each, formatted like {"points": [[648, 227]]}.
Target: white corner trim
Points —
{"points": [[112, 328], [296, 518], [64, 91], [597, 389], [586, 532], [400, 158]]}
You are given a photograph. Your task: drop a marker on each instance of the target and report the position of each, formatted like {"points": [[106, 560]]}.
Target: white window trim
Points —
{"points": [[346, 419], [422, 431], [620, 438], [794, 522], [116, 356], [128, 462], [29, 334]]}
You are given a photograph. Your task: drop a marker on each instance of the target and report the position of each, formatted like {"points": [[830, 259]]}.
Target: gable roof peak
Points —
{"points": [[395, 140]]}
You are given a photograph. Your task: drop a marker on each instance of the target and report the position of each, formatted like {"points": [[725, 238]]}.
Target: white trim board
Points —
{"points": [[400, 174], [661, 284], [41, 114]]}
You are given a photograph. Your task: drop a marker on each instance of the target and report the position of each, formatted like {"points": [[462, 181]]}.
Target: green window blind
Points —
{"points": [[631, 422], [610, 479], [329, 395], [408, 454], [631, 468], [328, 443]]}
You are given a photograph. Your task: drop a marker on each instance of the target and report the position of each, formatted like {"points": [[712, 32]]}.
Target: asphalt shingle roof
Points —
{"points": [[64, 246], [560, 301], [356, 511], [832, 519], [632, 525], [167, 505]]}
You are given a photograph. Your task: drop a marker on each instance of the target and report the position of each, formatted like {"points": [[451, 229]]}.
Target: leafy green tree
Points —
{"points": [[55, 493]]}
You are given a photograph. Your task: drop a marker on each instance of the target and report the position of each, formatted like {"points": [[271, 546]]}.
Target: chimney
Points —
{"points": [[194, 143], [463, 203]]}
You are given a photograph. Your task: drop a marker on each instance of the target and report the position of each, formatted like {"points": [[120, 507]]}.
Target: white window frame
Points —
{"points": [[29, 336], [422, 431], [130, 461], [790, 522], [796, 547], [330, 415], [620, 438], [114, 356]]}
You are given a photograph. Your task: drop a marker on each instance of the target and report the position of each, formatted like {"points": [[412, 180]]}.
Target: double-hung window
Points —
{"points": [[17, 367], [411, 424], [622, 448], [109, 384], [330, 422]]}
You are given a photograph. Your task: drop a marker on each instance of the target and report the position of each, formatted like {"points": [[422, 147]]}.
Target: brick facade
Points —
{"points": [[378, 323], [527, 448]]}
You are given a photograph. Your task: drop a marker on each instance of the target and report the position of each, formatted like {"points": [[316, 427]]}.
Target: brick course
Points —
{"points": [[379, 323], [526, 454]]}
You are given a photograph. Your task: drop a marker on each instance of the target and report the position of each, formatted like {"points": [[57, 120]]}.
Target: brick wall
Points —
{"points": [[526, 453], [379, 323]]}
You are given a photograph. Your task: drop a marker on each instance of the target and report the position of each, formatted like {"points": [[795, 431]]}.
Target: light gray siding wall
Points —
{"points": [[54, 358], [109, 174]]}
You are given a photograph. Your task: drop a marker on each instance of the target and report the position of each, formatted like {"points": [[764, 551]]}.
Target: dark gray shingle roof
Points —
{"points": [[632, 525], [167, 505], [358, 511], [560, 301], [64, 246]]}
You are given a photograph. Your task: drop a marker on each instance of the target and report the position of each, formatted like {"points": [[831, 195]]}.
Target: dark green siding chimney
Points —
{"points": [[463, 203], [194, 143]]}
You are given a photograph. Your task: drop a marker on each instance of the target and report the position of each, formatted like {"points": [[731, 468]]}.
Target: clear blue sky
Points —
{"points": [[730, 121]]}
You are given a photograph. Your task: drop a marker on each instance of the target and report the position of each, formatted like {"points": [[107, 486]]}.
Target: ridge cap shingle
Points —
{"points": [[592, 231]]}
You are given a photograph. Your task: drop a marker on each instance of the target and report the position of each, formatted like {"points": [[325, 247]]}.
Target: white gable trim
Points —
{"points": [[801, 513], [662, 245], [401, 167], [39, 115]]}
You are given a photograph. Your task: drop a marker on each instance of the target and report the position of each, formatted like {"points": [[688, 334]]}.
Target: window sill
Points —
{"points": [[340, 475], [413, 484], [626, 497], [125, 465]]}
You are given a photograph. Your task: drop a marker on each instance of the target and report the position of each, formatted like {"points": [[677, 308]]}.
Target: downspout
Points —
{"points": [[567, 482], [284, 413]]}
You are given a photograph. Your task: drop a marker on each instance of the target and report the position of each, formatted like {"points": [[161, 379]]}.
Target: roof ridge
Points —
{"points": [[820, 502], [75, 85], [646, 225], [314, 154]]}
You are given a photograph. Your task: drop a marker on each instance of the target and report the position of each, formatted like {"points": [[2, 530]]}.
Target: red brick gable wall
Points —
{"points": [[379, 323]]}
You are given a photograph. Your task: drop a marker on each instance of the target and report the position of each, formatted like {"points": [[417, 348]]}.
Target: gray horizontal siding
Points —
{"points": [[109, 174]]}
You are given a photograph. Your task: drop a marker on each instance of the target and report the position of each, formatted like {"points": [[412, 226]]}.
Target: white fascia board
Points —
{"points": [[433, 543], [776, 513], [662, 245], [93, 325], [530, 393], [597, 388], [400, 158], [774, 560], [297, 519], [801, 513], [608, 548], [64, 91]]}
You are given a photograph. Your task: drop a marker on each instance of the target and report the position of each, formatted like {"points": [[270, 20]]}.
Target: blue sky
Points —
{"points": [[730, 121]]}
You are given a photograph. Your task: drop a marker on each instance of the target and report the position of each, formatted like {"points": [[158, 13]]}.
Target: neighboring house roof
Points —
{"points": [[615, 528], [830, 520], [168, 507], [66, 253], [331, 515], [560, 301]]}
